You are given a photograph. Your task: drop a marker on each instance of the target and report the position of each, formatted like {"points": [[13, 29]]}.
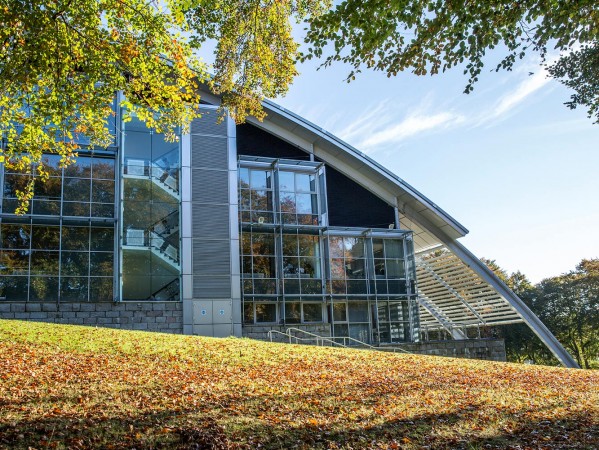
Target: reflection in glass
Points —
{"points": [[74, 263], [44, 263], [293, 312], [74, 288], [266, 312], [312, 312]]}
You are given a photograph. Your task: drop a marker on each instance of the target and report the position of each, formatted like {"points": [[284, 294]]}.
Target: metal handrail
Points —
{"points": [[344, 339], [320, 340]]}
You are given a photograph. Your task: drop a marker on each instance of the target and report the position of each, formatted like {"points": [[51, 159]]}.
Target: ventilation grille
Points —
{"points": [[211, 257], [207, 124], [210, 186], [209, 152], [210, 221], [211, 287]]}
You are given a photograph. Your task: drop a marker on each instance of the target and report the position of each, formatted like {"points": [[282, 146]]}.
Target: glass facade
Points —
{"points": [[150, 208], [67, 247], [63, 249], [297, 270]]}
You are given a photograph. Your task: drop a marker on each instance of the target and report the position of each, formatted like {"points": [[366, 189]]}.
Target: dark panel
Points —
{"points": [[350, 205], [253, 141]]}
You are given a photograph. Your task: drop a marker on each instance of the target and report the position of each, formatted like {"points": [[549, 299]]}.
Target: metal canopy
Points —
{"points": [[453, 297]]}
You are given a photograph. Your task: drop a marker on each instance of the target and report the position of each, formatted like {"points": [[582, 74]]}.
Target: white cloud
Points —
{"points": [[532, 84], [411, 125], [378, 126], [510, 100], [376, 116]]}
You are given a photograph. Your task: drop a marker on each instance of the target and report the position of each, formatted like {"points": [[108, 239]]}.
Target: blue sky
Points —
{"points": [[509, 161]]}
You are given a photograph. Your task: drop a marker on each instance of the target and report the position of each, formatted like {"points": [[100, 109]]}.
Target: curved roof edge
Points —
{"points": [[272, 107]]}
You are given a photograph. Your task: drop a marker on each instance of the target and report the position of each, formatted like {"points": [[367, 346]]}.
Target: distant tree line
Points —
{"points": [[567, 304]]}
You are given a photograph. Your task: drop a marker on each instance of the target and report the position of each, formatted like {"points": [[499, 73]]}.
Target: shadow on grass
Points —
{"points": [[160, 430], [194, 430]]}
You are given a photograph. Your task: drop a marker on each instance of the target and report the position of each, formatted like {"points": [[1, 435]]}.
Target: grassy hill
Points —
{"points": [[77, 387]]}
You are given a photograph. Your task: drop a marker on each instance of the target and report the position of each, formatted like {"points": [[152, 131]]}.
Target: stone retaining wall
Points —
{"points": [[166, 317], [489, 349]]}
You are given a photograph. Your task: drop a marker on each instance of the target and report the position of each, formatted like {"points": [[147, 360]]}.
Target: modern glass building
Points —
{"points": [[242, 229]]}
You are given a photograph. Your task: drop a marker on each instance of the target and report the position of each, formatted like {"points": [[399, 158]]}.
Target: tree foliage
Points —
{"points": [[432, 36], [567, 304], [62, 61]]}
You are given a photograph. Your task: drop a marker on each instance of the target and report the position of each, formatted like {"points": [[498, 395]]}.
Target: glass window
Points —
{"points": [[304, 182], [16, 236], [293, 312], [393, 248], [44, 263], [248, 313], [48, 190], [266, 312], [80, 169], [260, 179], [14, 288], [100, 289], [312, 312], [43, 289], [103, 191], [244, 177], [52, 163], [150, 209], [14, 262], [378, 248], [102, 239], [74, 289], [340, 312], [305, 204], [45, 237], [287, 202], [286, 181], [75, 238], [358, 311], [103, 169]]}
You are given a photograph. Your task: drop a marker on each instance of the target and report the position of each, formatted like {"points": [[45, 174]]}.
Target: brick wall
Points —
{"points": [[166, 317]]}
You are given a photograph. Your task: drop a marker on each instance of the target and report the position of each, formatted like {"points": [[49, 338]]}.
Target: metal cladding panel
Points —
{"points": [[210, 221], [210, 210], [211, 257], [211, 287], [208, 124], [209, 152], [210, 186]]}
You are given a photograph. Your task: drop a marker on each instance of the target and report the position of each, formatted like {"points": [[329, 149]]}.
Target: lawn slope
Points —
{"points": [[77, 387]]}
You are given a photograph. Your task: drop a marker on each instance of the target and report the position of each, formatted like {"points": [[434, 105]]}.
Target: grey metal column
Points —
{"points": [[234, 227], [186, 236], [488, 276], [214, 234]]}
